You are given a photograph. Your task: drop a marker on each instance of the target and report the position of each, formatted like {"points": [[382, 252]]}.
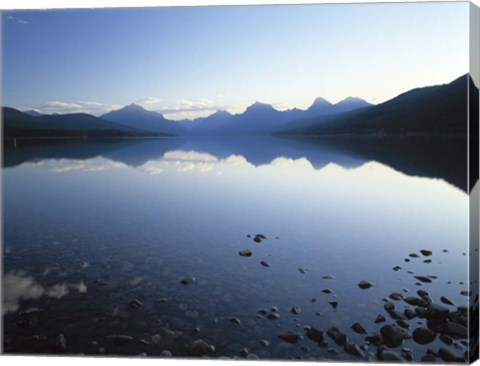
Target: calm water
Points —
{"points": [[91, 226]]}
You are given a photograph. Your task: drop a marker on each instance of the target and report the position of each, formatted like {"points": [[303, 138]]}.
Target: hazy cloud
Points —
{"points": [[149, 100], [95, 108], [19, 21]]}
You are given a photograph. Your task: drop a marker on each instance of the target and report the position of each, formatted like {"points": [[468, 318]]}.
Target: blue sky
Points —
{"points": [[189, 62]]}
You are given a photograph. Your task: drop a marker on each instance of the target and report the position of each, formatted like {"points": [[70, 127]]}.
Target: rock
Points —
{"points": [[273, 316], [156, 338], [290, 337], [265, 263], [302, 270], [235, 320], [244, 352], [120, 340], [353, 349], [199, 348], [305, 348], [391, 356], [245, 253], [100, 283], [437, 312], [427, 261], [397, 268], [375, 339], [407, 260], [135, 304], [60, 344], [252, 356], [263, 311], [274, 309], [162, 300], [455, 330], [261, 236], [296, 310], [392, 336], [465, 293], [423, 293], [396, 296], [423, 279], [380, 319], [409, 314], [334, 304], [314, 334], [328, 277], [264, 343], [358, 328], [428, 358], [403, 324], [448, 355], [257, 240], [426, 252], [332, 351], [337, 335], [314, 299], [446, 301], [415, 301], [413, 255], [165, 353], [396, 315], [187, 280], [364, 285], [445, 338], [327, 291], [389, 306], [423, 335]]}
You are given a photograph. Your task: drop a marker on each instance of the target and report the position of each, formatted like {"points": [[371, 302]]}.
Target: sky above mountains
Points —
{"points": [[190, 62]]}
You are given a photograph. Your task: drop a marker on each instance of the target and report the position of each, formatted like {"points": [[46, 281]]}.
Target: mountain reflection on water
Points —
{"points": [[424, 157]]}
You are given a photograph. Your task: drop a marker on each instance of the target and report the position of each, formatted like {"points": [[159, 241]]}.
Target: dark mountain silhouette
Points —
{"points": [[34, 113], [434, 110], [18, 124], [136, 116]]}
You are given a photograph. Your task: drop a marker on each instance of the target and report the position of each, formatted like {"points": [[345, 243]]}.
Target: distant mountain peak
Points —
{"points": [[133, 106], [259, 106], [319, 101]]}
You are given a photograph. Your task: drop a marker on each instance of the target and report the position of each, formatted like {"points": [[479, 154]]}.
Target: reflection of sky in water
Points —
{"points": [[143, 227]]}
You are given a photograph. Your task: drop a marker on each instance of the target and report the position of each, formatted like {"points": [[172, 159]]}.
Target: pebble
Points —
{"points": [[448, 355], [392, 356], [245, 253], [235, 320], [290, 337], [426, 252], [455, 330], [273, 316], [162, 300], [396, 296], [302, 270], [353, 349], [337, 335], [427, 261], [296, 310], [397, 268], [423, 279], [327, 291], [244, 352], [328, 277], [375, 339], [358, 328], [445, 338], [135, 304], [380, 318], [265, 263], [423, 335], [334, 304], [187, 280], [166, 353], [264, 343], [446, 301], [389, 306], [314, 334], [413, 255], [364, 285], [199, 348], [392, 336]]}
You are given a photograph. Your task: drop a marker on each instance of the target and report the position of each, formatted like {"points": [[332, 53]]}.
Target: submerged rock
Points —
{"points": [[446, 301], [337, 335], [423, 335], [328, 277], [396, 296], [334, 304], [187, 280], [290, 337], [358, 328], [364, 285], [135, 304], [391, 356], [392, 336], [245, 253], [327, 291], [315, 335], [265, 263], [375, 339], [199, 348], [235, 320], [423, 279], [449, 355], [302, 270], [380, 318], [353, 349], [296, 310], [455, 330], [426, 252], [120, 340], [273, 316]]}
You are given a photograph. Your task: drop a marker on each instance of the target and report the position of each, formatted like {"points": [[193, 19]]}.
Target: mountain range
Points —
{"points": [[440, 109]]}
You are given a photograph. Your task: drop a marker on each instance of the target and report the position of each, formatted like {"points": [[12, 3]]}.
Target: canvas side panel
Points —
{"points": [[473, 178]]}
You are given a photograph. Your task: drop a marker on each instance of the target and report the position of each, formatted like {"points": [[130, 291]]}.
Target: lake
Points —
{"points": [[131, 247]]}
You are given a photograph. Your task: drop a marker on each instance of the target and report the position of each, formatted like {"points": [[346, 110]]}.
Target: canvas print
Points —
{"points": [[273, 182]]}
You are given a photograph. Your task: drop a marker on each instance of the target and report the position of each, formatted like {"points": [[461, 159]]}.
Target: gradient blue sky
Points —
{"points": [[188, 62]]}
